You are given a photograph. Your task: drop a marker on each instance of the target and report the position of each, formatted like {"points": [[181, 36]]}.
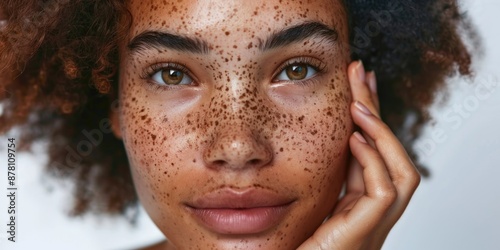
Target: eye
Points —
{"points": [[296, 72], [171, 76]]}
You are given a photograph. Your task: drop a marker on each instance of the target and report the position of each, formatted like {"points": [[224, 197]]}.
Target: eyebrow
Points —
{"points": [[294, 34], [299, 33], [158, 40]]}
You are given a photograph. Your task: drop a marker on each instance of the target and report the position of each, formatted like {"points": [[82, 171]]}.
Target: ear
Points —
{"points": [[114, 117]]}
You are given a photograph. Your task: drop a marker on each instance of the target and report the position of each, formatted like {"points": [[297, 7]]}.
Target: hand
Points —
{"points": [[380, 182]]}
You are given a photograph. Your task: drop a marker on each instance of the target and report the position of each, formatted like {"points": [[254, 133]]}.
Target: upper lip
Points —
{"points": [[228, 198]]}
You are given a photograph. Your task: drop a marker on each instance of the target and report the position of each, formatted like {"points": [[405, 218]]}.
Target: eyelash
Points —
{"points": [[316, 64]]}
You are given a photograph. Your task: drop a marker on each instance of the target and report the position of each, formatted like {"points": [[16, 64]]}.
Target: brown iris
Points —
{"points": [[172, 76], [296, 72]]}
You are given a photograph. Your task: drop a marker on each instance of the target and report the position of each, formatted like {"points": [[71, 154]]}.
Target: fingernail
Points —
{"points": [[360, 137], [362, 108], [361, 71], [372, 82]]}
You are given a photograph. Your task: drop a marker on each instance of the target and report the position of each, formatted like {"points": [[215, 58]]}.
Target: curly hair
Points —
{"points": [[58, 79]]}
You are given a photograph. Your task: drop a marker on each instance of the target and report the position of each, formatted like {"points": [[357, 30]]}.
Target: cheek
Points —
{"points": [[313, 133], [152, 130], [312, 152], [320, 125], [146, 140], [160, 155], [332, 125], [327, 149]]}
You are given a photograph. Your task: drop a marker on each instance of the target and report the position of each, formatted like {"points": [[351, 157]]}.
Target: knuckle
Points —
{"points": [[415, 180], [412, 178], [329, 241], [387, 195], [382, 130]]}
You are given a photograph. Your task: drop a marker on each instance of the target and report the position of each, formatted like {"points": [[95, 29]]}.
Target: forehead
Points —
{"points": [[238, 19]]}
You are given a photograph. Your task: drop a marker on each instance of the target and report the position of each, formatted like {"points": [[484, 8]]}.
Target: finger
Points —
{"points": [[401, 170], [375, 175], [380, 192], [360, 89], [345, 230], [355, 186], [372, 83], [359, 86], [355, 181], [400, 167]]}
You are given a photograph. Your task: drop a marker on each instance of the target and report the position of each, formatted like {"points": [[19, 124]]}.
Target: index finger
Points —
{"points": [[359, 81]]}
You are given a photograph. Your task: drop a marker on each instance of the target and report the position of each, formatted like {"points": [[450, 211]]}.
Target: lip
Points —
{"points": [[229, 211]]}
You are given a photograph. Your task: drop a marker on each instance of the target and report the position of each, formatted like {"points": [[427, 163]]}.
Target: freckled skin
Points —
{"points": [[235, 126]]}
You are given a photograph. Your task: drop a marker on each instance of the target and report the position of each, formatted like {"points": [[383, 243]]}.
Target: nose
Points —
{"points": [[238, 148]]}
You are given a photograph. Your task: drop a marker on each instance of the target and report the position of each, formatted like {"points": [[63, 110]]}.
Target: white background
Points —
{"points": [[457, 208]]}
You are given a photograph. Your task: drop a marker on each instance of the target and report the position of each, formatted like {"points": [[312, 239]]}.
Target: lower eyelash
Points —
{"points": [[308, 82], [154, 87]]}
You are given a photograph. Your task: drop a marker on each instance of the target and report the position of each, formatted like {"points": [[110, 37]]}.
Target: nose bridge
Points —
{"points": [[237, 98], [237, 136], [244, 90]]}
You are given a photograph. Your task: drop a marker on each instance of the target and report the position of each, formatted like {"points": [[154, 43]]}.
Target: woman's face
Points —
{"points": [[235, 118]]}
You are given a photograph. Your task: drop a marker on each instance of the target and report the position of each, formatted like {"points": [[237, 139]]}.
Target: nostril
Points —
{"points": [[254, 161], [219, 162]]}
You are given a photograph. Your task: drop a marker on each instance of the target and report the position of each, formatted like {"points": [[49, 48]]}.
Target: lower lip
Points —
{"points": [[240, 221]]}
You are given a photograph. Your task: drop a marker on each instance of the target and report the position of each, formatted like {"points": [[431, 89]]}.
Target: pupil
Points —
{"points": [[297, 72], [172, 76], [175, 74]]}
